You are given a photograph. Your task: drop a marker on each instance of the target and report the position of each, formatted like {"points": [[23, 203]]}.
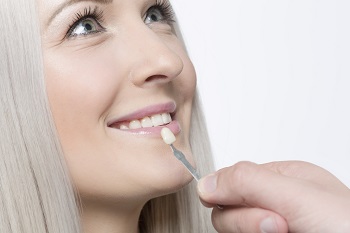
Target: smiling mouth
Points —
{"points": [[155, 120]]}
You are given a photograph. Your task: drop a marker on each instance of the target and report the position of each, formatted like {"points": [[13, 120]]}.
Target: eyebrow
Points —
{"points": [[68, 3]]}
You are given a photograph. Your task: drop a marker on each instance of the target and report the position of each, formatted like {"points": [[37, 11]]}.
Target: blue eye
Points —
{"points": [[86, 26], [154, 15], [86, 23], [161, 12]]}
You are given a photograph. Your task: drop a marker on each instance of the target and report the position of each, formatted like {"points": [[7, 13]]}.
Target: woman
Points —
{"points": [[114, 71]]}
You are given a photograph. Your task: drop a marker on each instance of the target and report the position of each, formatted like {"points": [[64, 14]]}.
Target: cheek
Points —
{"points": [[185, 87], [79, 89], [187, 80], [190, 82]]}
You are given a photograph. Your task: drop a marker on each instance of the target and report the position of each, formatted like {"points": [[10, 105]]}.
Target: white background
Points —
{"points": [[274, 78]]}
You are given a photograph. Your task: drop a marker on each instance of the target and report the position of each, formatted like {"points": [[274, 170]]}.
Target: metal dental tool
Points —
{"points": [[169, 138], [180, 156]]}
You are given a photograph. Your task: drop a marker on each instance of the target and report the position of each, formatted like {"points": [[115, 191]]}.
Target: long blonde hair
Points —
{"points": [[36, 193]]}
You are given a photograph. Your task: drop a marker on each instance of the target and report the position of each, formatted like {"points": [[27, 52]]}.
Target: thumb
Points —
{"points": [[247, 184]]}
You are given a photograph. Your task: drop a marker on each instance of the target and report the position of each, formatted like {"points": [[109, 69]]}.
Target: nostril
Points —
{"points": [[155, 78]]}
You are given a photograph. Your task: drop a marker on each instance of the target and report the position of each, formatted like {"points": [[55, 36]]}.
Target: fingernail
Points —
{"points": [[207, 184], [268, 225]]}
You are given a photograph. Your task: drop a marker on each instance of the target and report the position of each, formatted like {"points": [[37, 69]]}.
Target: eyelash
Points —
{"points": [[163, 5], [166, 8], [95, 14]]}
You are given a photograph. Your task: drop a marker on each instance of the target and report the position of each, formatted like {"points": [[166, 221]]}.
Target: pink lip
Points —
{"points": [[169, 107], [147, 111]]}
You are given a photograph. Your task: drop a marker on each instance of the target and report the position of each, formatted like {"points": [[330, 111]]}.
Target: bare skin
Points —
{"points": [[106, 61], [277, 197]]}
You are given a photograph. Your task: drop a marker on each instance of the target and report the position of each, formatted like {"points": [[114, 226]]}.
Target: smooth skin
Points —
{"points": [[277, 197], [135, 62]]}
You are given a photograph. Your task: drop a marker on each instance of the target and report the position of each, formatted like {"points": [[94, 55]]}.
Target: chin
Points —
{"points": [[129, 174], [169, 180]]}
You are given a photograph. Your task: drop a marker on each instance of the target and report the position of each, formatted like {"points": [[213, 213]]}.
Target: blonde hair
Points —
{"points": [[36, 193]]}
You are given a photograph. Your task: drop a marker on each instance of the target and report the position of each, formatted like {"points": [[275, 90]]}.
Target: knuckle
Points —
{"points": [[239, 173], [232, 183], [291, 168]]}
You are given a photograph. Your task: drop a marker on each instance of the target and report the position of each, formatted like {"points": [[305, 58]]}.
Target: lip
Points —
{"points": [[169, 107]]}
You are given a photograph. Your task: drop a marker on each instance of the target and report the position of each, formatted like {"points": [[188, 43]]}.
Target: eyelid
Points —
{"points": [[96, 15], [70, 3], [165, 7]]}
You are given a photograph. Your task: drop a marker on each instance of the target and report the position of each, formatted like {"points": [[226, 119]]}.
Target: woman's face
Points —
{"points": [[115, 73]]}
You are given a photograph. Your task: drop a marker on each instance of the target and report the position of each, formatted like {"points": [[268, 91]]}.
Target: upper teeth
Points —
{"points": [[149, 121]]}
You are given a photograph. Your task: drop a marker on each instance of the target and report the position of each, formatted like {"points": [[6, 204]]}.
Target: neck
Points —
{"points": [[100, 217]]}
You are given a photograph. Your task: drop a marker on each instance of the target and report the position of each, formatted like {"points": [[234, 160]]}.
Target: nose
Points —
{"points": [[153, 60]]}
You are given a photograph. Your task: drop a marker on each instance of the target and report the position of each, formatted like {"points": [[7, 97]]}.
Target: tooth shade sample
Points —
{"points": [[168, 136], [136, 124], [146, 122], [157, 120]]}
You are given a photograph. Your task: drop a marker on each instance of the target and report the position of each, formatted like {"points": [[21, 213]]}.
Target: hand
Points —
{"points": [[282, 197]]}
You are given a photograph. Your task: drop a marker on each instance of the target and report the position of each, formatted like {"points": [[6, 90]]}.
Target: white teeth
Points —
{"points": [[135, 124], [124, 127], [157, 120], [146, 122], [166, 118]]}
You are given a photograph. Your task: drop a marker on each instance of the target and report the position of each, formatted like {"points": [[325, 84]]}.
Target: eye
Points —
{"points": [[154, 15], [161, 12], [86, 26], [86, 23]]}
